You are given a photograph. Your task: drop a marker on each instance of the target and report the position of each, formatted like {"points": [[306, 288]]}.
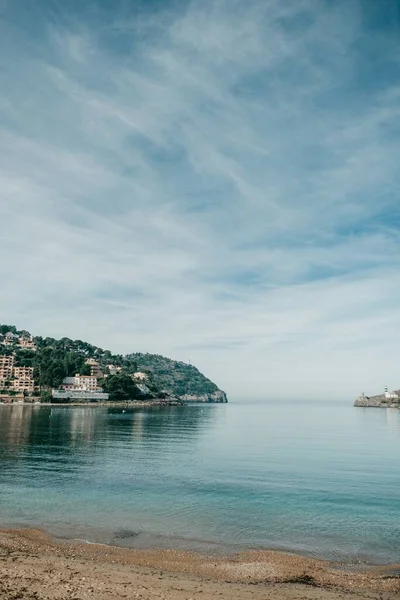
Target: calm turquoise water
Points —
{"points": [[319, 478]]}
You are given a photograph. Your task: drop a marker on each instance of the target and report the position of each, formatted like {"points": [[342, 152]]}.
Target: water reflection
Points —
{"points": [[15, 426], [388, 418], [58, 429], [393, 419]]}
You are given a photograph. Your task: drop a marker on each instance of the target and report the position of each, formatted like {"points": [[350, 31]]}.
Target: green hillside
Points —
{"points": [[176, 378]]}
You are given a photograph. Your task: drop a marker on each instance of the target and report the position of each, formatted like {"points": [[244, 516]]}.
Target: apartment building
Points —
{"points": [[95, 369], [6, 370], [18, 379], [23, 379]]}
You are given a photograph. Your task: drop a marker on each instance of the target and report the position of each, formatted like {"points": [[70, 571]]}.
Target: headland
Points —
{"points": [[384, 400], [37, 369]]}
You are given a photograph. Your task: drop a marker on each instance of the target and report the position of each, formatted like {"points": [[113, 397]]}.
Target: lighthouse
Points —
{"points": [[390, 395]]}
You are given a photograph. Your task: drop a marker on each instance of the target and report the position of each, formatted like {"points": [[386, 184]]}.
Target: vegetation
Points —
{"points": [[122, 387], [175, 378], [7, 329]]}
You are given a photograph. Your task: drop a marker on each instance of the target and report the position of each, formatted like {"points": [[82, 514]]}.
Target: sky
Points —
{"points": [[212, 180]]}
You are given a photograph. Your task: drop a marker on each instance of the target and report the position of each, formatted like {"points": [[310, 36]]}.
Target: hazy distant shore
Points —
{"points": [[33, 565]]}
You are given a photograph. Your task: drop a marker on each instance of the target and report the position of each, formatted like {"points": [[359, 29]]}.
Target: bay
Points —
{"points": [[320, 478]]}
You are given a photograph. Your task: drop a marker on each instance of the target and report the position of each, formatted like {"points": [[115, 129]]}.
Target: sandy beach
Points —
{"points": [[33, 566]]}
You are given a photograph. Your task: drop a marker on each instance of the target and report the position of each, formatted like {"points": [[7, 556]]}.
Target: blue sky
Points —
{"points": [[214, 180]]}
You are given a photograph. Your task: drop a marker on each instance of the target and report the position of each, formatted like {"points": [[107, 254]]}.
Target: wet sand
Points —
{"points": [[33, 566]]}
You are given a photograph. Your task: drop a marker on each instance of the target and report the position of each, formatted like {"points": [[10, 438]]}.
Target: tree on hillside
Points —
{"points": [[121, 387], [52, 364], [73, 364], [24, 358], [8, 329], [85, 370]]}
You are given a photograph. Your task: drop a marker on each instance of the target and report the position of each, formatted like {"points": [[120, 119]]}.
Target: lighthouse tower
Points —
{"points": [[390, 395]]}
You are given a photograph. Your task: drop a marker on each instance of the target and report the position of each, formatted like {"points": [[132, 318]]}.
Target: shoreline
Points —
{"points": [[115, 404], [146, 541], [35, 565]]}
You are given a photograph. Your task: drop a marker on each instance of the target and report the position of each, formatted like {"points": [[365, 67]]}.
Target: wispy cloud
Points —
{"points": [[216, 180]]}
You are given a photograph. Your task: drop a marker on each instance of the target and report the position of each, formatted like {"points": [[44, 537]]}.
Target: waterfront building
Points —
{"points": [[79, 395], [80, 388]]}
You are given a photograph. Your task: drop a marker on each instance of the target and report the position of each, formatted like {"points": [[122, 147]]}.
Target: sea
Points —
{"points": [[317, 478]]}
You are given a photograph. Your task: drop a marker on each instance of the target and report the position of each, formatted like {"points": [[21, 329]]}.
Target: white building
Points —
{"points": [[86, 383], [391, 395], [139, 376], [9, 339]]}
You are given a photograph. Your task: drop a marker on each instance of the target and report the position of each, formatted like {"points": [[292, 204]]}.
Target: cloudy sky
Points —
{"points": [[213, 180]]}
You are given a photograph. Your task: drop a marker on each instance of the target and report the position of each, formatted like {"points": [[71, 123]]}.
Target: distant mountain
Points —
{"points": [[155, 376]]}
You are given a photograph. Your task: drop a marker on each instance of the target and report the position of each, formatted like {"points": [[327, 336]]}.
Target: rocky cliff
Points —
{"points": [[216, 397]]}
